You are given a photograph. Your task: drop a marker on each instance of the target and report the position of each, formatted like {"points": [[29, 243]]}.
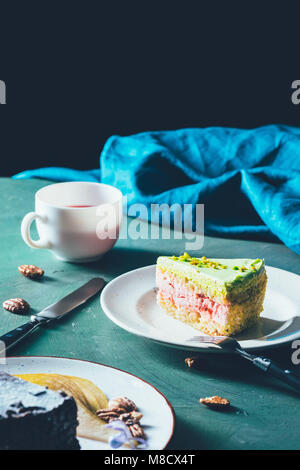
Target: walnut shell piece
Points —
{"points": [[16, 305], [215, 402], [31, 271], [122, 402]]}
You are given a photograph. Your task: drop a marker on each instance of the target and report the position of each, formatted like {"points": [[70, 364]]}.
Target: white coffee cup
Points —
{"points": [[77, 221]]}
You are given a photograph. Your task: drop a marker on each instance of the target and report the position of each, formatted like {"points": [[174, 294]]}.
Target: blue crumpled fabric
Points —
{"points": [[249, 180]]}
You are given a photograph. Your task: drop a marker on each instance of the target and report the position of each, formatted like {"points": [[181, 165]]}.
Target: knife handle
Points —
{"points": [[285, 375], [282, 374], [14, 336]]}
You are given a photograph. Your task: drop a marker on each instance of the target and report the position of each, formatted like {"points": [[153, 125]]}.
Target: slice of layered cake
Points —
{"points": [[35, 418], [216, 296]]}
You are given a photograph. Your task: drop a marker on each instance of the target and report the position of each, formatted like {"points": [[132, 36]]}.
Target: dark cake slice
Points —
{"points": [[34, 417]]}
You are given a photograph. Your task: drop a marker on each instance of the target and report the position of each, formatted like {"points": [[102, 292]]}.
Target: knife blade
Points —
{"points": [[71, 301], [52, 312]]}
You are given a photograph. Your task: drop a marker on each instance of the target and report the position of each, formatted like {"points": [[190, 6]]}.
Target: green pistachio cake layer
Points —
{"points": [[224, 280]]}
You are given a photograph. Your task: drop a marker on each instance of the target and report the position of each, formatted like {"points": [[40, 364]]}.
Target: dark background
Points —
{"points": [[77, 73]]}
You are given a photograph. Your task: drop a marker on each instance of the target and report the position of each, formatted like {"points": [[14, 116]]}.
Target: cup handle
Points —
{"points": [[25, 231]]}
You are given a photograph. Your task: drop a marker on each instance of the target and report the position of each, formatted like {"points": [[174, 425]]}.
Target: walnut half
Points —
{"points": [[215, 402]]}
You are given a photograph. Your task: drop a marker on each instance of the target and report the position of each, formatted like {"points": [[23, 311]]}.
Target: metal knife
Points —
{"points": [[53, 312]]}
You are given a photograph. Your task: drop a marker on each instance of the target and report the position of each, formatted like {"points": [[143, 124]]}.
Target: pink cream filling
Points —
{"points": [[172, 289]]}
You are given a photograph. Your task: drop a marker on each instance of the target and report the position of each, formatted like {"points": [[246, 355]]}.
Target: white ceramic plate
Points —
{"points": [[158, 416], [130, 302]]}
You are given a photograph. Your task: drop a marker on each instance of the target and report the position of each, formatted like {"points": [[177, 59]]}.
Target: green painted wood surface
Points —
{"points": [[266, 413]]}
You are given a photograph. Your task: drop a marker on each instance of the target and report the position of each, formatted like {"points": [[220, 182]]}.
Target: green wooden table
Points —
{"points": [[266, 414]]}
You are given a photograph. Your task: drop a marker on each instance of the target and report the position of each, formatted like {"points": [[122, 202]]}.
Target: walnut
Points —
{"points": [[16, 305], [125, 410], [215, 402], [131, 418], [108, 415], [31, 271], [137, 431], [192, 361], [122, 402]]}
